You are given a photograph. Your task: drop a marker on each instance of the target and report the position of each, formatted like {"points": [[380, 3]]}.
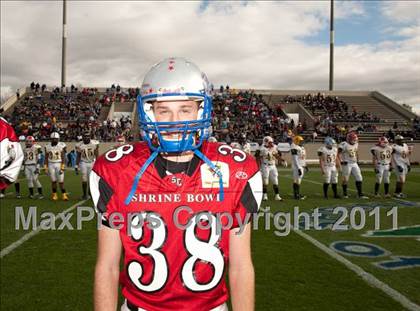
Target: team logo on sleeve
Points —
{"points": [[209, 179], [241, 175]]}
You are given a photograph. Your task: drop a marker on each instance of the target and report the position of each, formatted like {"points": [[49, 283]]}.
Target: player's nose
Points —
{"points": [[176, 117]]}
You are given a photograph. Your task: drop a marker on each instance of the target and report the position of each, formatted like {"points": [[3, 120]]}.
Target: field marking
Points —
{"points": [[367, 277], [7, 250]]}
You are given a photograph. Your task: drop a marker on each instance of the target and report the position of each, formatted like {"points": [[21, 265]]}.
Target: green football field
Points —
{"points": [[355, 269]]}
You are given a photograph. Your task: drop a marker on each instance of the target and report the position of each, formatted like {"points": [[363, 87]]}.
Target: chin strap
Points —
{"points": [[139, 174], [215, 169]]}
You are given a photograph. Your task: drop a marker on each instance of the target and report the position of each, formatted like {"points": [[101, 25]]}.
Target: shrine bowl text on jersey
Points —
{"points": [[176, 264]]}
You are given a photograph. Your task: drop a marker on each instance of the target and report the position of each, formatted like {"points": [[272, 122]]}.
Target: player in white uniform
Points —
{"points": [[87, 152], [32, 154], [381, 159], [55, 154], [266, 157], [349, 156], [401, 163], [328, 162], [298, 165], [245, 145]]}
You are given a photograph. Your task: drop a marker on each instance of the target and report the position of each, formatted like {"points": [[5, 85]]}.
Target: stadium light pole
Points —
{"points": [[331, 87], [63, 47]]}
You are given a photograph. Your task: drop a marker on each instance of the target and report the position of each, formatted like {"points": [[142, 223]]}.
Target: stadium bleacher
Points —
{"points": [[238, 114], [42, 110]]}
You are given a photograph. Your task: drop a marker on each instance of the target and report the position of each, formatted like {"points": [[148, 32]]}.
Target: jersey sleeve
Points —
{"points": [[341, 147], [251, 195], [372, 151], [103, 192], [11, 155]]}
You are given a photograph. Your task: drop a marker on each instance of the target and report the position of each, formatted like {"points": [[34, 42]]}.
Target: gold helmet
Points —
{"points": [[297, 140]]}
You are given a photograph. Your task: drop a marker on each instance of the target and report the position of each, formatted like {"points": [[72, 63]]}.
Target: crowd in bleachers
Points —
{"points": [[69, 111], [240, 115], [237, 115], [334, 108], [409, 132]]}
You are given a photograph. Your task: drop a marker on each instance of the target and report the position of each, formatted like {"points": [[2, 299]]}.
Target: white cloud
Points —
{"points": [[250, 45], [401, 11], [346, 9]]}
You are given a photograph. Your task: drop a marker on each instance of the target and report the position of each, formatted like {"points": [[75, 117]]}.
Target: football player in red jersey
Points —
{"points": [[11, 155], [178, 205]]}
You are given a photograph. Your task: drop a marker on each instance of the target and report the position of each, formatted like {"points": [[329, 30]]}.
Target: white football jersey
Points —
{"points": [[247, 148], [299, 153], [54, 152], [400, 154], [87, 151], [32, 154], [382, 154], [348, 152], [268, 155], [328, 156]]}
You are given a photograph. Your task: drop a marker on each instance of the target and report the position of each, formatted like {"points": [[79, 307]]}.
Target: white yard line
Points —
{"points": [[367, 277], [7, 250]]}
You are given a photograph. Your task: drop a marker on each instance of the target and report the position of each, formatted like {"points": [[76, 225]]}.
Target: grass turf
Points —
{"points": [[54, 269]]}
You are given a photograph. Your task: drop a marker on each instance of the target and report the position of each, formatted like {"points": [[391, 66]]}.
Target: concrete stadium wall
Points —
{"points": [[13, 99], [311, 149], [409, 115]]}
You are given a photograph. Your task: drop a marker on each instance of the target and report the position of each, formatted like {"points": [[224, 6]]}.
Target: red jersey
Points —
{"points": [[11, 154], [175, 249]]}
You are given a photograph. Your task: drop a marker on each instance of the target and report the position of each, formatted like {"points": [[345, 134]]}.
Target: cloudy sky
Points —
{"points": [[278, 45]]}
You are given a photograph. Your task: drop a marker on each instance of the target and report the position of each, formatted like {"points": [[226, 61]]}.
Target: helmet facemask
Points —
{"points": [[191, 133]]}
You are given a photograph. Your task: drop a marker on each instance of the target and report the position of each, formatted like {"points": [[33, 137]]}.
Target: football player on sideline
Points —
{"points": [[171, 262], [298, 165], [87, 153], [32, 153], [120, 140], [348, 156], [328, 162], [266, 156], [245, 145], [381, 159], [401, 164], [55, 155], [11, 155]]}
